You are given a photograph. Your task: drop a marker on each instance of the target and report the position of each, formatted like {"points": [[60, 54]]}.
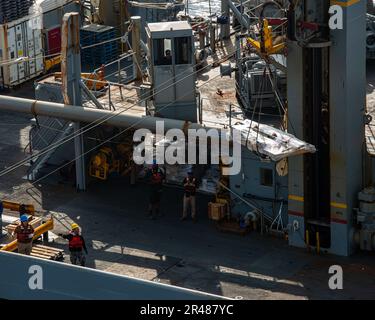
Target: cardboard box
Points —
{"points": [[216, 211]]}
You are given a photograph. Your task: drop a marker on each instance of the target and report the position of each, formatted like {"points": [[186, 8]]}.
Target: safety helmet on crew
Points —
{"points": [[24, 218], [74, 226]]}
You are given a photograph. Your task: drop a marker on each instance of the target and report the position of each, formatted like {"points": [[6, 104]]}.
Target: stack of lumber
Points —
{"points": [[48, 253]]}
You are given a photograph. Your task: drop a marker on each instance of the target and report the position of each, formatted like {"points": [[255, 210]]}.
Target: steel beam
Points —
{"points": [[90, 95], [71, 84], [225, 28], [90, 115], [347, 97], [241, 17], [136, 46], [347, 68]]}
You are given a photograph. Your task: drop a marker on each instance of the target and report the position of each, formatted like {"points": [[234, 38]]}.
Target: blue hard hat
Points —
{"points": [[24, 218]]}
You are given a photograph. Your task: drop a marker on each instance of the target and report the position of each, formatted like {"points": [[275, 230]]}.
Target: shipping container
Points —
{"points": [[53, 40], [53, 12], [21, 40], [32, 37]]}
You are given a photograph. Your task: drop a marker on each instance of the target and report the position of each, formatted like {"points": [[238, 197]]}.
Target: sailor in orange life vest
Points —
{"points": [[76, 245], [190, 186], [25, 234], [156, 176]]}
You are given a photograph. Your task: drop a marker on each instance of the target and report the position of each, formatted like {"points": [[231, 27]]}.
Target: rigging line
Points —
{"points": [[109, 117], [27, 59], [103, 42], [125, 36], [106, 141], [116, 73], [120, 58], [53, 146], [41, 56], [260, 111], [254, 109], [14, 124], [281, 104], [96, 124], [135, 58], [275, 89]]}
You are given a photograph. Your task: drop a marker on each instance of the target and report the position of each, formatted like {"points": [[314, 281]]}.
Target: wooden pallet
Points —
{"points": [[47, 253], [231, 227]]}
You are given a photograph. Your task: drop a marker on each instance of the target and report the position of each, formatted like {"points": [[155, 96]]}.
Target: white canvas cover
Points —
{"points": [[271, 142]]}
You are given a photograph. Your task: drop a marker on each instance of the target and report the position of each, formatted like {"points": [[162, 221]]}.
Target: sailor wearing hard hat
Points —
{"points": [[76, 245]]}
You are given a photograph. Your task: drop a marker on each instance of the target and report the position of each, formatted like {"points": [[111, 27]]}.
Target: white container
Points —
{"points": [[21, 38]]}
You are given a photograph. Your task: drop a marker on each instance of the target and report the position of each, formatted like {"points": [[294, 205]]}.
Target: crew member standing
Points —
{"points": [[190, 186], [157, 177], [25, 234], [77, 245]]}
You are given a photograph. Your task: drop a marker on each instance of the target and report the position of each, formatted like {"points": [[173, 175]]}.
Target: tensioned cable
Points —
{"points": [[59, 143], [62, 141], [92, 126], [108, 140], [96, 147], [89, 127]]}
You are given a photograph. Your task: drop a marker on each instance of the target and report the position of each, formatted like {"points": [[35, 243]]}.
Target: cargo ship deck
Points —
{"points": [[123, 240], [218, 99]]}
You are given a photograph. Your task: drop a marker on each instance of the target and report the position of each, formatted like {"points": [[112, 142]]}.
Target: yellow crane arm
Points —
{"points": [[50, 63], [267, 47], [254, 43], [14, 206]]}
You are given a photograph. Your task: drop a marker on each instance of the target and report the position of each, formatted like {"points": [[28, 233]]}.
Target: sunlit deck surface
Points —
{"points": [[217, 95], [123, 240]]}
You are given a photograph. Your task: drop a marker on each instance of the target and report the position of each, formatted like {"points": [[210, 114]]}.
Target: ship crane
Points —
{"points": [[17, 207], [267, 45], [326, 94]]}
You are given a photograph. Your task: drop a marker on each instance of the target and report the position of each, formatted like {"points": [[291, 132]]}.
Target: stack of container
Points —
{"points": [[25, 41], [96, 56], [14, 9]]}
